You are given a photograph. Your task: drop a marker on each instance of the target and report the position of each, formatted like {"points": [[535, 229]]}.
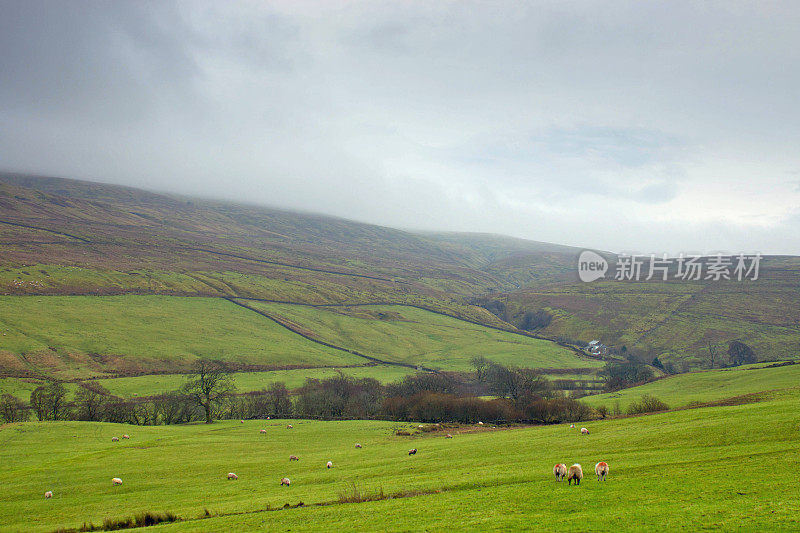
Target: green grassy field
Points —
{"points": [[717, 467], [249, 381], [709, 386], [676, 321], [409, 335], [76, 336]]}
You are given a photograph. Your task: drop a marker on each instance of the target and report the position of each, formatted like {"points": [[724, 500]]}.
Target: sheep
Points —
{"points": [[412, 451], [560, 471], [449, 436], [601, 469], [358, 446], [241, 421], [114, 439], [231, 475], [294, 458], [263, 431], [48, 494], [575, 473], [285, 481], [289, 426], [116, 481], [126, 436], [584, 431], [572, 426], [480, 423], [330, 464]]}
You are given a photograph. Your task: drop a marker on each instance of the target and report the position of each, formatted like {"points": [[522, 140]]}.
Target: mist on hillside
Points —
{"points": [[658, 128]]}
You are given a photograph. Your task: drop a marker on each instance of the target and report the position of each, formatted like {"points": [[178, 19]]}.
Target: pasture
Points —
{"points": [[726, 467], [81, 336], [708, 386], [249, 381], [409, 335]]}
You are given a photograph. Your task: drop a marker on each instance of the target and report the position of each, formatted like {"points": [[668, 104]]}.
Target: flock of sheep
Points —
{"points": [[573, 473], [286, 481]]}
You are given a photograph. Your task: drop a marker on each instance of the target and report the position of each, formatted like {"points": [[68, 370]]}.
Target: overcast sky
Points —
{"points": [[626, 126]]}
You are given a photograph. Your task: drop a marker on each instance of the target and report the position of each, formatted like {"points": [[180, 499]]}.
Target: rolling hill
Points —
{"points": [[76, 239]]}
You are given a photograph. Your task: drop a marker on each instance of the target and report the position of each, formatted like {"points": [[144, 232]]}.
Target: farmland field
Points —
{"points": [[676, 470], [72, 336], [409, 335], [708, 386], [249, 381]]}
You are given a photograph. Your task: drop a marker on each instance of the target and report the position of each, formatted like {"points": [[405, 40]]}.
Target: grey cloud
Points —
{"points": [[476, 116]]}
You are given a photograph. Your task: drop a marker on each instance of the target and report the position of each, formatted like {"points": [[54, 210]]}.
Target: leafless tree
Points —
{"points": [[208, 386]]}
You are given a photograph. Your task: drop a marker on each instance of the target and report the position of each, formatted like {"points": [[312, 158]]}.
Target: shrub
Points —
{"points": [[647, 404], [355, 494]]}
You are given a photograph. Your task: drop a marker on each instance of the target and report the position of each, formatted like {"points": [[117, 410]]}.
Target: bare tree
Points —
{"points": [[48, 401], [12, 409], [208, 386], [712, 353], [90, 399]]}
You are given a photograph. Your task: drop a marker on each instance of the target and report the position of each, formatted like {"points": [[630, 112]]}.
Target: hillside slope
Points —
{"points": [[69, 237]]}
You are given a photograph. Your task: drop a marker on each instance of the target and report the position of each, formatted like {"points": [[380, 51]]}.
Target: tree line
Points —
{"points": [[493, 393]]}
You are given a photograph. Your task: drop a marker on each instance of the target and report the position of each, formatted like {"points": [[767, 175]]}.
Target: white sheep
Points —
{"points": [[116, 481], [584, 431], [48, 494], [575, 474], [289, 426], [294, 458], [330, 464], [449, 436], [572, 425], [480, 423], [285, 481], [358, 446], [126, 437], [231, 475], [263, 431], [601, 469], [560, 471], [114, 439]]}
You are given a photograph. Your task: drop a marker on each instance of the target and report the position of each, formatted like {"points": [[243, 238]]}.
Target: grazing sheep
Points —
{"points": [[48, 494], [480, 423], [126, 437], [601, 469], [114, 439], [231, 475], [116, 481], [575, 473], [330, 464], [294, 458], [584, 431], [449, 436], [412, 451], [572, 425], [263, 431], [285, 481], [560, 471], [358, 446], [289, 426], [241, 421]]}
